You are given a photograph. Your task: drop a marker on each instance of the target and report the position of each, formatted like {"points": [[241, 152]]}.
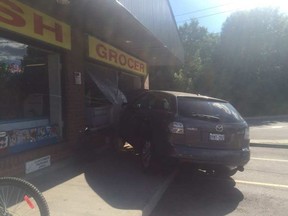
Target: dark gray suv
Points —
{"points": [[203, 130]]}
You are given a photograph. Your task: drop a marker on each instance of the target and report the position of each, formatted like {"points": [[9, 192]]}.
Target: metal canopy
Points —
{"points": [[111, 22]]}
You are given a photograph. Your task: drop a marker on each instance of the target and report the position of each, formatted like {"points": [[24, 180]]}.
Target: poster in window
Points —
{"points": [[3, 140]]}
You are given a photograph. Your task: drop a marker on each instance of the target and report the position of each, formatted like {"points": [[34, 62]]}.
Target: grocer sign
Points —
{"points": [[20, 18], [106, 53]]}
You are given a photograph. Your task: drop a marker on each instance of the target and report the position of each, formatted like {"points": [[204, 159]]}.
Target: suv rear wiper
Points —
{"points": [[205, 117]]}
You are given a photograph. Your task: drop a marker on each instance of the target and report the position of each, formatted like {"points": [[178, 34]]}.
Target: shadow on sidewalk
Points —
{"points": [[194, 193], [108, 184], [120, 181]]}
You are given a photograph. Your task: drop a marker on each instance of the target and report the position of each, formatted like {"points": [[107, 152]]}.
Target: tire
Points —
{"points": [[147, 155], [19, 197], [85, 151]]}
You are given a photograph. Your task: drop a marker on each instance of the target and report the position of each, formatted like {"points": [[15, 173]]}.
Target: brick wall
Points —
{"points": [[73, 113], [73, 94], [14, 165]]}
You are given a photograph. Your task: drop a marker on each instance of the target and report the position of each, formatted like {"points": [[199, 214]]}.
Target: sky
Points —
{"points": [[213, 13]]}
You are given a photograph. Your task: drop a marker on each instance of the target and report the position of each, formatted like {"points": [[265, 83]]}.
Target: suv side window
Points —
{"points": [[145, 102], [163, 102]]}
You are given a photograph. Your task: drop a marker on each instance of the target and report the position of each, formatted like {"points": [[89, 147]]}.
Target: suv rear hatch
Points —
{"points": [[210, 123]]}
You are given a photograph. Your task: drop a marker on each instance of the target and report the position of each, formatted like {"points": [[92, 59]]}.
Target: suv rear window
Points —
{"points": [[190, 107]]}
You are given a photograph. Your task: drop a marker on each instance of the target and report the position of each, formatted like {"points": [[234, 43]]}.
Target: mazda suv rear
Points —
{"points": [[206, 131]]}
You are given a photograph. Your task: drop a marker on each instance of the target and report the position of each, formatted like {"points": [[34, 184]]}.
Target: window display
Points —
{"points": [[30, 115], [24, 86]]}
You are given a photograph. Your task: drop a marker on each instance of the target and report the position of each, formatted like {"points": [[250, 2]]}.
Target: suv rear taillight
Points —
{"points": [[176, 128]]}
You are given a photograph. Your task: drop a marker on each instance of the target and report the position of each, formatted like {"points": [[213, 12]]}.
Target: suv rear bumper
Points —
{"points": [[229, 158]]}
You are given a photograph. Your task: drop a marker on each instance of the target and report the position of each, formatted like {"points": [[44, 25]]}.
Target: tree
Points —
{"points": [[199, 46], [246, 64], [196, 75], [252, 60]]}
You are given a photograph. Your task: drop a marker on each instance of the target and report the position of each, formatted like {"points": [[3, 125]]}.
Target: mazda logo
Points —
{"points": [[219, 128]]}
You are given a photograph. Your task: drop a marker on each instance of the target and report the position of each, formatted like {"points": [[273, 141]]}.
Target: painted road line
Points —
{"points": [[277, 127], [268, 159], [262, 184]]}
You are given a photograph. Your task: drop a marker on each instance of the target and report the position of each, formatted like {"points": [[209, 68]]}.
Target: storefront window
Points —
{"points": [[30, 95], [103, 97], [24, 86]]}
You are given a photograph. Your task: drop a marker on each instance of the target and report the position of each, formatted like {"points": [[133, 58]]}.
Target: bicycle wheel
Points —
{"points": [[19, 198]]}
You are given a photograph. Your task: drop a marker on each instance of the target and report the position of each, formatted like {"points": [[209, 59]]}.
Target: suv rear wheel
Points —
{"points": [[147, 155]]}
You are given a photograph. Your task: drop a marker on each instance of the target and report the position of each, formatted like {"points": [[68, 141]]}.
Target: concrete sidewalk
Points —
{"points": [[108, 185], [273, 140]]}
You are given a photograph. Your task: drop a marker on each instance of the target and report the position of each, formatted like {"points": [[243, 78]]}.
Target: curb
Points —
{"points": [[149, 207], [265, 117], [283, 146]]}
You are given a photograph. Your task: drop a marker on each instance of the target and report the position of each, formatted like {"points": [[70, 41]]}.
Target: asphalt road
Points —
{"points": [[262, 189], [269, 130]]}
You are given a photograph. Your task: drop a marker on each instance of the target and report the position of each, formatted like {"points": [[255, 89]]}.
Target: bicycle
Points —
{"points": [[19, 197]]}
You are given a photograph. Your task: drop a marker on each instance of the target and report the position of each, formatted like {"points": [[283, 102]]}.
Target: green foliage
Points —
{"points": [[200, 49], [246, 64], [252, 63], [196, 75]]}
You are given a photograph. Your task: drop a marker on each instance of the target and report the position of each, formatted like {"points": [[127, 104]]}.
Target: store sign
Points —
{"points": [[106, 53], [17, 17]]}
